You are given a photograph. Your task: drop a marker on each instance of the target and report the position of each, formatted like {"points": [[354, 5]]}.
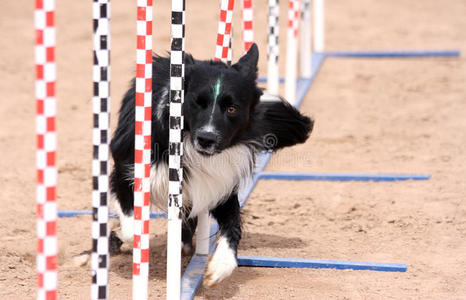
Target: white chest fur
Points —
{"points": [[210, 178]]}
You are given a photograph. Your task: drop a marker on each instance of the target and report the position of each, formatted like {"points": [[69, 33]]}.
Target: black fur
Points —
{"points": [[235, 112], [228, 217]]}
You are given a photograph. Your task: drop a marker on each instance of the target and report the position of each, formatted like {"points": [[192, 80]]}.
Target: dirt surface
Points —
{"points": [[372, 116]]}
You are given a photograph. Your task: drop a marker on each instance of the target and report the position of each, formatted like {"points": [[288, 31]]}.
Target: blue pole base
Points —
{"points": [[394, 54], [342, 177], [286, 262], [193, 276], [65, 213], [381, 54]]}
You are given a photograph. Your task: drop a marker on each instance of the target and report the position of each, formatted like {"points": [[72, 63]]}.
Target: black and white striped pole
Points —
{"points": [[175, 168], [101, 139], [273, 49]]}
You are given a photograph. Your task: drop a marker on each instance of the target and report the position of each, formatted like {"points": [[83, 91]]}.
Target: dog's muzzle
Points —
{"points": [[206, 142]]}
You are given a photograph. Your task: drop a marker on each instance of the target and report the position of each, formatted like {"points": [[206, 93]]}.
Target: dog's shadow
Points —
{"points": [[251, 240], [121, 264]]}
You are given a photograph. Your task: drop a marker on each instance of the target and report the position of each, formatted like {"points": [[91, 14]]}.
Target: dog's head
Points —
{"points": [[220, 100]]}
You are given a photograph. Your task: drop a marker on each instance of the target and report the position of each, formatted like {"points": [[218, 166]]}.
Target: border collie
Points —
{"points": [[226, 126]]}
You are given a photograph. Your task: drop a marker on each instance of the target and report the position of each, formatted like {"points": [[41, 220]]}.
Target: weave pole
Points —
{"points": [[248, 29], [101, 139], [230, 47], [319, 35], [273, 49], [142, 151], [292, 51], [175, 168], [44, 21], [224, 30], [305, 38]]}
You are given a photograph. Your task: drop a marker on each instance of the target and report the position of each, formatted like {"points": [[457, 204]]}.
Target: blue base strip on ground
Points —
{"points": [[342, 177], [285, 262], [194, 273], [382, 54], [193, 276], [264, 79], [65, 213], [393, 54]]}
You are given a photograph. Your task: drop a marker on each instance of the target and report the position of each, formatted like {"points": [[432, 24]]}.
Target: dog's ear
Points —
{"points": [[247, 65], [189, 64]]}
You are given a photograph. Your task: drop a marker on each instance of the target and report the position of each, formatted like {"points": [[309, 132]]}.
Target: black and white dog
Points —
{"points": [[225, 127]]}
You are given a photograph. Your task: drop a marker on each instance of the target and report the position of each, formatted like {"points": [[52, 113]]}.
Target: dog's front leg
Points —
{"points": [[187, 233], [223, 261]]}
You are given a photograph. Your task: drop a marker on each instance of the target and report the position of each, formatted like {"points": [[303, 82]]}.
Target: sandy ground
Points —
{"points": [[384, 115]]}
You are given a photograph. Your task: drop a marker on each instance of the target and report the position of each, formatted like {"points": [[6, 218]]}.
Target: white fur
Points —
{"points": [[211, 178], [221, 264], [126, 224]]}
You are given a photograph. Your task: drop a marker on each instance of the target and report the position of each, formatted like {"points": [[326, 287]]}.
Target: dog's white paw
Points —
{"points": [[125, 232], [221, 264]]}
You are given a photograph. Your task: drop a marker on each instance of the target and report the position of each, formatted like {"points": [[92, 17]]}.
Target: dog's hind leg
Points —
{"points": [[224, 260]]}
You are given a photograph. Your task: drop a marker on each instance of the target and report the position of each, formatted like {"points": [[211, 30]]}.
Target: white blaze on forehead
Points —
{"points": [[216, 93]]}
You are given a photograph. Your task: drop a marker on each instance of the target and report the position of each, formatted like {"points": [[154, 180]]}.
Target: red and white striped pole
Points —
{"points": [[44, 19], [292, 51], [142, 151], [224, 30], [248, 29]]}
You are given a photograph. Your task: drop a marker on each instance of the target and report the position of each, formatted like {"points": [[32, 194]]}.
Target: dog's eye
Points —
{"points": [[231, 110]]}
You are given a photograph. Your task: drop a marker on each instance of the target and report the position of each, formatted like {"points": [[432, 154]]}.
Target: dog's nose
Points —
{"points": [[206, 139]]}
